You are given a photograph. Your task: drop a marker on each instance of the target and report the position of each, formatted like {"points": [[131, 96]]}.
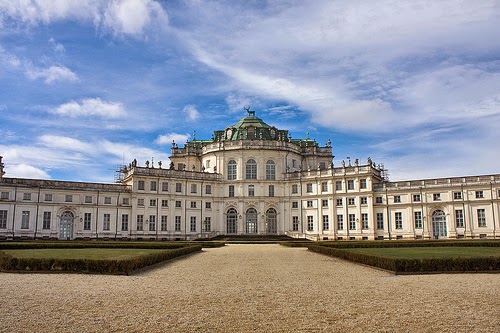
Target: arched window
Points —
{"points": [[66, 226], [270, 170], [251, 170], [271, 221], [231, 170], [251, 224], [232, 221], [439, 229]]}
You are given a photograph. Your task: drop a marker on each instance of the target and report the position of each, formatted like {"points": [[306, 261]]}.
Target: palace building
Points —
{"points": [[251, 179]]}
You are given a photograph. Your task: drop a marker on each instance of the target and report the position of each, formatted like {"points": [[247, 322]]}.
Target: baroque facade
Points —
{"points": [[251, 179]]}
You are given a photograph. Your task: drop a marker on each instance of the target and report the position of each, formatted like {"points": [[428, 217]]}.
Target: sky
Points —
{"points": [[87, 85]]}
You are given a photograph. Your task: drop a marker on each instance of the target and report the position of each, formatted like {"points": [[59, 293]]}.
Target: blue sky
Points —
{"points": [[87, 84]]}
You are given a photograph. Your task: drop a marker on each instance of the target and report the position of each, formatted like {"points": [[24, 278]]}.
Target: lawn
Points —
{"points": [[430, 252], [85, 253]]}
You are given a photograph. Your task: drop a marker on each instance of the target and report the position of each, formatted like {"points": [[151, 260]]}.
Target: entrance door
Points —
{"points": [[271, 222], [439, 229], [251, 221], [66, 226]]}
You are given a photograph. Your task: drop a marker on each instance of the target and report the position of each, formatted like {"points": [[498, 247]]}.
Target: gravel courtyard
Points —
{"points": [[242, 288]]}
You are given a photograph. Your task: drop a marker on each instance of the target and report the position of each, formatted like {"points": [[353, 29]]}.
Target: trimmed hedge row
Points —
{"points": [[410, 243], [107, 266], [106, 244], [295, 244], [400, 266]]}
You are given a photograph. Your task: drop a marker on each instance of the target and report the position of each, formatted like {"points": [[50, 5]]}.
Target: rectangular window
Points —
{"points": [[27, 196], [207, 224], [271, 190], [3, 219], [177, 225], [295, 223], [140, 202], [164, 187], [340, 222], [309, 188], [107, 200], [324, 203], [339, 202], [141, 185], [68, 198], [295, 204], [364, 200], [87, 220], [88, 199], [459, 217], [140, 222], [193, 204], [152, 222], [351, 201], [106, 221], [350, 184], [48, 197], [178, 204], [295, 189], [398, 219], [231, 191], [124, 222], [152, 202], [178, 187], [397, 199], [418, 220], [364, 221], [338, 185], [309, 204], [25, 220], [457, 195], [416, 197], [380, 221], [193, 224], [379, 200], [479, 194], [47, 216], [152, 186], [481, 218], [125, 201], [352, 221], [251, 190], [194, 188], [436, 196], [208, 189], [164, 219], [324, 187], [5, 196], [208, 205], [362, 183], [270, 170], [326, 222], [310, 223], [164, 203]]}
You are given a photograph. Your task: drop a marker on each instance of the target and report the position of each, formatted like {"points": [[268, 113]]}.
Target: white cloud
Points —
{"points": [[8, 58], [90, 107], [127, 17], [52, 74], [26, 171], [65, 143], [168, 138], [236, 102], [191, 112], [57, 47]]}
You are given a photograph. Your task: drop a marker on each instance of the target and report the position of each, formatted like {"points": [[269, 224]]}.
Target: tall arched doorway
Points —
{"points": [[232, 221], [251, 224], [439, 229], [66, 225], [271, 221]]}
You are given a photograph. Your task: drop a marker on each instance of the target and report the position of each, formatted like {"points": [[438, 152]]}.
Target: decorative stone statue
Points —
{"points": [[356, 162], [147, 164], [159, 164], [171, 165]]}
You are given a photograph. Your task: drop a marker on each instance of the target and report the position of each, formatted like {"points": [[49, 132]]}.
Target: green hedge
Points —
{"points": [[125, 266], [409, 243], [401, 266], [295, 244]]}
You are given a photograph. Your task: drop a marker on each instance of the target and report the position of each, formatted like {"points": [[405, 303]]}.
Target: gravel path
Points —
{"points": [[260, 288]]}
